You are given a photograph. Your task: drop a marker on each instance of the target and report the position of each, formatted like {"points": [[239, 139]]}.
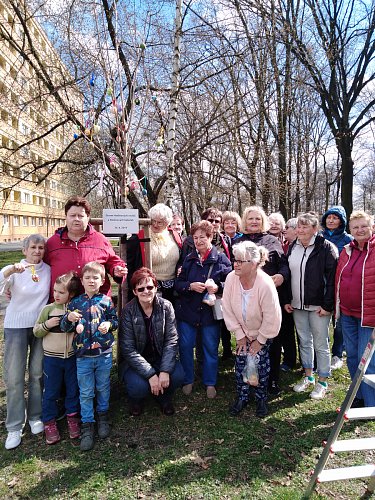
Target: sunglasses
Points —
{"points": [[143, 288], [217, 221]]}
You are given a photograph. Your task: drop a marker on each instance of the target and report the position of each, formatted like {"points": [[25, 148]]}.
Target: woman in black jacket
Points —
{"points": [[312, 262], [148, 344]]}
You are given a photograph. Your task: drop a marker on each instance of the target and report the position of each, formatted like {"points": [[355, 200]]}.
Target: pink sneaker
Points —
{"points": [[51, 432], [74, 426]]}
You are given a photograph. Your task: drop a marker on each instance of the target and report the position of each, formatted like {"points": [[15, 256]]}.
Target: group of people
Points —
{"points": [[255, 277]]}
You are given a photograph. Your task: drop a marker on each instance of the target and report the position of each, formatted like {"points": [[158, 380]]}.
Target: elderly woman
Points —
{"points": [[231, 224], [255, 225], [29, 284], [149, 346], [177, 224], [252, 311], [192, 313], [312, 261], [355, 298], [165, 250], [76, 244], [277, 226]]}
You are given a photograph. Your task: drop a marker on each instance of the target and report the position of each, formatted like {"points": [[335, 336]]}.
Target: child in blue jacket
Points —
{"points": [[93, 318]]}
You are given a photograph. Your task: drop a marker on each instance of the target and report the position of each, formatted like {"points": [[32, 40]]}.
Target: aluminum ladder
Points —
{"points": [[347, 413]]}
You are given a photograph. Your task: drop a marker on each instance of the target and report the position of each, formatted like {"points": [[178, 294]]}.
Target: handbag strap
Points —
{"points": [[210, 270]]}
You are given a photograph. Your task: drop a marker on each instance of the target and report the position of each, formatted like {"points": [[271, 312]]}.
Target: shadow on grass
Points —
{"points": [[200, 447]]}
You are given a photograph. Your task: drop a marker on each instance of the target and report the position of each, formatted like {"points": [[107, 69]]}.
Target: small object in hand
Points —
{"points": [[209, 299], [34, 275], [79, 328]]}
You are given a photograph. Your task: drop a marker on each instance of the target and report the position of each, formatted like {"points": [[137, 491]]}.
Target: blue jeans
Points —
{"points": [[210, 343], [356, 338], [139, 388], [17, 343], [93, 373], [313, 333], [56, 372], [338, 339]]}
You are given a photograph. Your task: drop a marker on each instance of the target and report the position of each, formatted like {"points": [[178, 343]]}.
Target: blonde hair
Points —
{"points": [[361, 214], [255, 208], [232, 215], [71, 282], [94, 266], [248, 250]]}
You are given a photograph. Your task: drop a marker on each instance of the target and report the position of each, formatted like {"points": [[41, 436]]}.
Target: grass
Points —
{"points": [[199, 453]]}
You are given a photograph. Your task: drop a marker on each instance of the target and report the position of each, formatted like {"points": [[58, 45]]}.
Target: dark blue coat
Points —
{"points": [[189, 306], [339, 236]]}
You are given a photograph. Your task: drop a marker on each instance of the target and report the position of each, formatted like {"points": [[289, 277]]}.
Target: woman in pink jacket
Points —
{"points": [[252, 311]]}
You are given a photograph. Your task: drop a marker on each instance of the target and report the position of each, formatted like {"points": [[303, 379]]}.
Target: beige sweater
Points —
{"points": [[165, 254], [263, 313]]}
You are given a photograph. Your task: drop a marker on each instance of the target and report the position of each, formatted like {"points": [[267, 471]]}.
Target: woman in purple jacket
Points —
{"points": [[192, 313]]}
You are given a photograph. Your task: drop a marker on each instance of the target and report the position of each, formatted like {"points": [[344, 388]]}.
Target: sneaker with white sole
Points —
{"points": [[303, 384], [336, 363], [36, 426], [319, 391], [13, 439]]}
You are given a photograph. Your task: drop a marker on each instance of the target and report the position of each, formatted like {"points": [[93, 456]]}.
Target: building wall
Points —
{"points": [[33, 133]]}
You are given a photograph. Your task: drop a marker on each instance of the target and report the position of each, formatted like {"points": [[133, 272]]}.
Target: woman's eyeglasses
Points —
{"points": [[240, 262], [216, 221], [143, 288]]}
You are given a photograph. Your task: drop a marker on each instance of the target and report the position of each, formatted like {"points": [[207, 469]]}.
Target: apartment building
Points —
{"points": [[33, 132]]}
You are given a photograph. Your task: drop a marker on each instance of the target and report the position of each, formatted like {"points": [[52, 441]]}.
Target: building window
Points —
{"points": [[27, 197], [25, 221], [6, 220], [16, 220], [40, 221], [33, 221]]}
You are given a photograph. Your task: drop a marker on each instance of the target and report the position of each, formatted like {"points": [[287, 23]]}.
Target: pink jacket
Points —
{"points": [[368, 282], [64, 255], [263, 314]]}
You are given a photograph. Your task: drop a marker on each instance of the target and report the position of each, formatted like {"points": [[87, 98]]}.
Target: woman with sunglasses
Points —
{"points": [[252, 311], [148, 345], [193, 314]]}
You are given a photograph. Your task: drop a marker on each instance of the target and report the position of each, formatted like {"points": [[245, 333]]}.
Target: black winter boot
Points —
{"points": [[103, 425], [87, 436]]}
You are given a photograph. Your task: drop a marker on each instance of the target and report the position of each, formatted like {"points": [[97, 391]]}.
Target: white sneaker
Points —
{"points": [[319, 391], [303, 384], [336, 363], [13, 439], [36, 426]]}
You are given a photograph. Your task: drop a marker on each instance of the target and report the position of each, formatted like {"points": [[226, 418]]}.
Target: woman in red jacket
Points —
{"points": [[76, 244], [355, 298]]}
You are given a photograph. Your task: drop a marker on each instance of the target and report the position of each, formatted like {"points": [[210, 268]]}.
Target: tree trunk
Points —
{"points": [[344, 144]]}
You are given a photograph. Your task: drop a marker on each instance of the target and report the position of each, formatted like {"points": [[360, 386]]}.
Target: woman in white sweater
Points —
{"points": [[29, 283], [252, 311]]}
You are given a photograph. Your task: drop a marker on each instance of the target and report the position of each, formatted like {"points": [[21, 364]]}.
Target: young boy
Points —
{"points": [[93, 318]]}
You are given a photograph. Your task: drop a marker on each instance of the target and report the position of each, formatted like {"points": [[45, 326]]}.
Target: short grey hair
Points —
{"points": [[161, 211], [33, 238], [292, 222], [277, 216], [248, 250], [308, 219]]}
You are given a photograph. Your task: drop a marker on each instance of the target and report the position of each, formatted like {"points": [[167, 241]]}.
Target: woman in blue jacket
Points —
{"points": [[192, 313]]}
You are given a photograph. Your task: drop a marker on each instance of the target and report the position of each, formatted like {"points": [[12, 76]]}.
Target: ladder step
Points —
{"points": [[360, 413], [353, 444], [370, 380], [346, 473]]}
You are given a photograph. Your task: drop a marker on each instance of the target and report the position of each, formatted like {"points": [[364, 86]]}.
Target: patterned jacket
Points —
{"points": [[94, 310]]}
